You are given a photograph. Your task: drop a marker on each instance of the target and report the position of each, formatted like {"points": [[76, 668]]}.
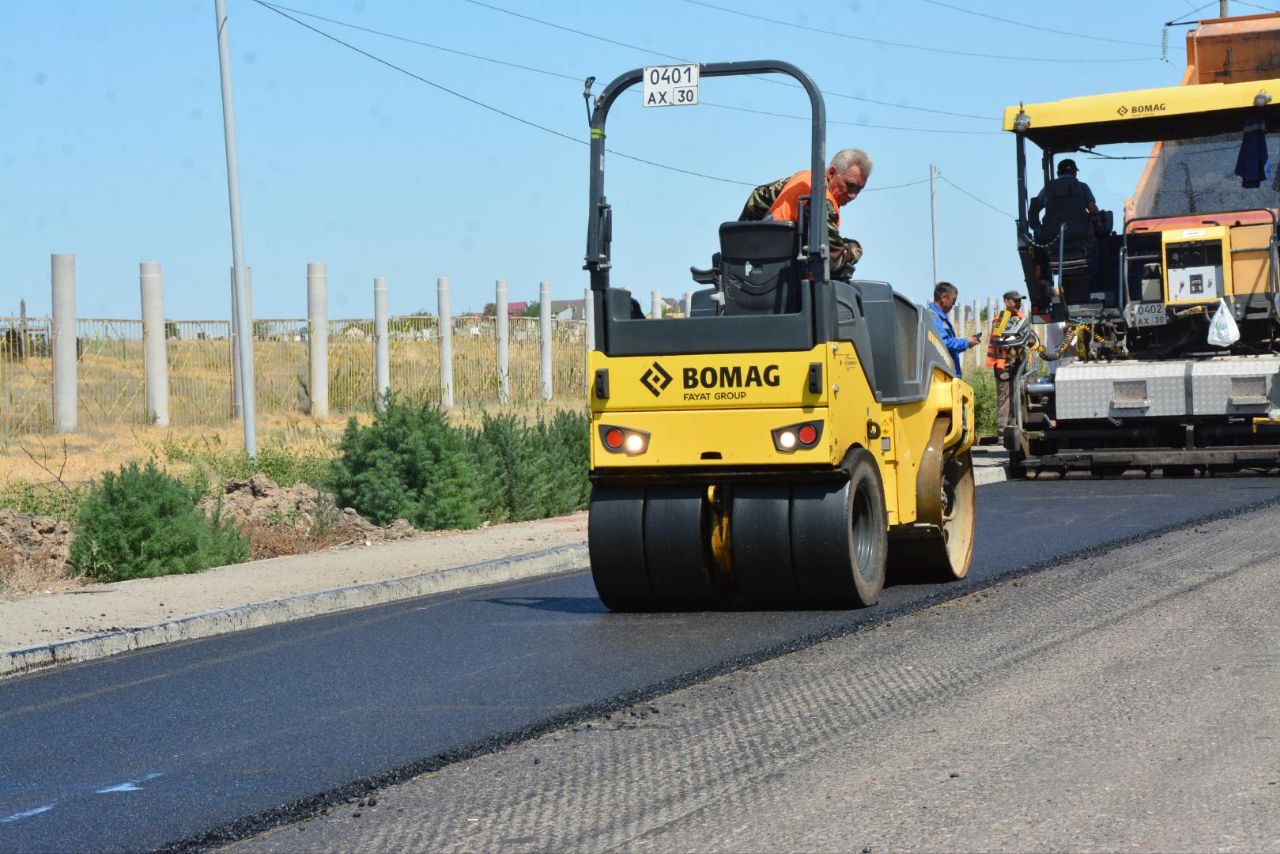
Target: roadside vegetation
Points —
{"points": [[186, 502]]}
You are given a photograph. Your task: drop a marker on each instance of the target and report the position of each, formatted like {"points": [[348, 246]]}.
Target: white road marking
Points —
{"points": [[128, 785], [18, 816]]}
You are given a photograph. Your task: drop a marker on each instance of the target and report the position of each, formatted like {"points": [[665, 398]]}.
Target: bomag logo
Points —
{"points": [[726, 382], [1140, 109], [656, 379]]}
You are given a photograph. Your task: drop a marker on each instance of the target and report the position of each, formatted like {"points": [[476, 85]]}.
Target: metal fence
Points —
{"points": [[111, 382]]}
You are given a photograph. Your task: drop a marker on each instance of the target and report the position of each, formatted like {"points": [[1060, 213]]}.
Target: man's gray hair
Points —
{"points": [[847, 157]]}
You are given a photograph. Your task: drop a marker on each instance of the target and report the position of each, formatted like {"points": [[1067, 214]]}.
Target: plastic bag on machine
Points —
{"points": [[1223, 331]]}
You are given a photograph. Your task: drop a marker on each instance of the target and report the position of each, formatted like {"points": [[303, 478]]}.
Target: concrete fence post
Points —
{"points": [[589, 314], [544, 337], [64, 342], [155, 359], [502, 324], [655, 305], [237, 401], [688, 303], [381, 345], [444, 321], [318, 337]]}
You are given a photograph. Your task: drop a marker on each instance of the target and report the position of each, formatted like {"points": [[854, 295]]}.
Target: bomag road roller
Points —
{"points": [[1171, 351], [787, 439]]}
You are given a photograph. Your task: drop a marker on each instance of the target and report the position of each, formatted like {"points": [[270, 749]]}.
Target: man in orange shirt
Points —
{"points": [[847, 176], [1004, 362]]}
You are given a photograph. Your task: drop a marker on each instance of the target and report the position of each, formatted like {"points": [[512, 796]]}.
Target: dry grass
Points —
{"points": [[278, 540], [295, 445], [111, 384], [31, 572]]}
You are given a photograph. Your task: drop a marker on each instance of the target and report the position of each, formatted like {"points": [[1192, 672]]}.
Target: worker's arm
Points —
{"points": [[953, 343], [1033, 212], [1090, 203], [761, 200], [844, 250]]}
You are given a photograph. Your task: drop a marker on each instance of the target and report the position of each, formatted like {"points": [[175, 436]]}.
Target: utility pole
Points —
{"points": [[239, 293], [1222, 9], [933, 218]]}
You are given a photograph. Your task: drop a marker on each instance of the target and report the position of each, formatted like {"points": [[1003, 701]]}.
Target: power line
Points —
{"points": [[975, 198], [978, 14], [280, 11], [652, 52], [1255, 6], [896, 186], [886, 43], [491, 108], [851, 124], [1196, 11], [442, 48], [576, 79]]}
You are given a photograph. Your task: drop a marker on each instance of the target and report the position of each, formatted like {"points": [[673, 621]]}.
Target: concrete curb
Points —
{"points": [[983, 475], [258, 614]]}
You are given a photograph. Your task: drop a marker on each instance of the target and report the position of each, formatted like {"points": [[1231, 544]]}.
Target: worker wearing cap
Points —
{"points": [[1066, 201], [1005, 363]]}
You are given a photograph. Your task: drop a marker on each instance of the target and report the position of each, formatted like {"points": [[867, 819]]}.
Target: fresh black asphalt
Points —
{"points": [[165, 744]]}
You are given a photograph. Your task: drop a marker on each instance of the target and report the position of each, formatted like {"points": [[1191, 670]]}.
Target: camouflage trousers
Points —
{"points": [[1004, 394]]}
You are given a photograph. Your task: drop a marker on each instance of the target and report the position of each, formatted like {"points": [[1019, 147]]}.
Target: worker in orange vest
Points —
{"points": [[847, 176], [1004, 362]]}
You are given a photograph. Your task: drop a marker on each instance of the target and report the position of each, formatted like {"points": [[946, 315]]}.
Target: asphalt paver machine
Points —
{"points": [[785, 442], [1140, 383]]}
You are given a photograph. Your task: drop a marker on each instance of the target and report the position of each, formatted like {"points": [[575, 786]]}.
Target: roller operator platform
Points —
{"points": [[785, 442]]}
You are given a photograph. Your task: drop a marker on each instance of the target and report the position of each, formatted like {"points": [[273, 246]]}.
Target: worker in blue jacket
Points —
{"points": [[944, 297]]}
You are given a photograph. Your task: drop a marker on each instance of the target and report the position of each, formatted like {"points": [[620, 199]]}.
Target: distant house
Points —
{"points": [[517, 308], [568, 309]]}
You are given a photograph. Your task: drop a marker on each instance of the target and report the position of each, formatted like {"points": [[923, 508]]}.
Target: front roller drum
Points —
{"points": [[648, 548], [940, 545]]}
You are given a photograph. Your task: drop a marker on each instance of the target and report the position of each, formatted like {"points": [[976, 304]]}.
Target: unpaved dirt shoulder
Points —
{"points": [[35, 619]]}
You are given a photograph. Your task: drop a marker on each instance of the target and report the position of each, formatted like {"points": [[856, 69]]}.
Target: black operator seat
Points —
{"points": [[758, 270]]}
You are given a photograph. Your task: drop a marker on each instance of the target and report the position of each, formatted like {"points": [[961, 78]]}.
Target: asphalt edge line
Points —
{"points": [[259, 614], [312, 805]]}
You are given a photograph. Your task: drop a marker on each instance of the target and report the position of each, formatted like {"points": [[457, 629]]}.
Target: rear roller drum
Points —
{"points": [[615, 541], [760, 539], [940, 547], [839, 542], [676, 546]]}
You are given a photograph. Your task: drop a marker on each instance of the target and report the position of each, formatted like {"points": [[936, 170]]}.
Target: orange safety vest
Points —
{"points": [[998, 357], [786, 208]]}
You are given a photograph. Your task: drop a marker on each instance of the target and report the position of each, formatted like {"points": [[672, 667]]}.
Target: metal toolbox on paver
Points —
{"points": [[1243, 385]]}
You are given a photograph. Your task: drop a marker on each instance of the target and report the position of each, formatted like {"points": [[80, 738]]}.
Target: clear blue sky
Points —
{"points": [[113, 149]]}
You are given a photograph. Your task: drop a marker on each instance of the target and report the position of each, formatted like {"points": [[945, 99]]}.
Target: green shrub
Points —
{"points": [[510, 460], [984, 401], [142, 523], [568, 457], [409, 463]]}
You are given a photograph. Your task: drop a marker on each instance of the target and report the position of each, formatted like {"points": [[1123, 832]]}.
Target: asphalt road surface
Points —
{"points": [[237, 733]]}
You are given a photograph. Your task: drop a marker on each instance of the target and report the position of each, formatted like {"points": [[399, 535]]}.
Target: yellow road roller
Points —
{"points": [[785, 442]]}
